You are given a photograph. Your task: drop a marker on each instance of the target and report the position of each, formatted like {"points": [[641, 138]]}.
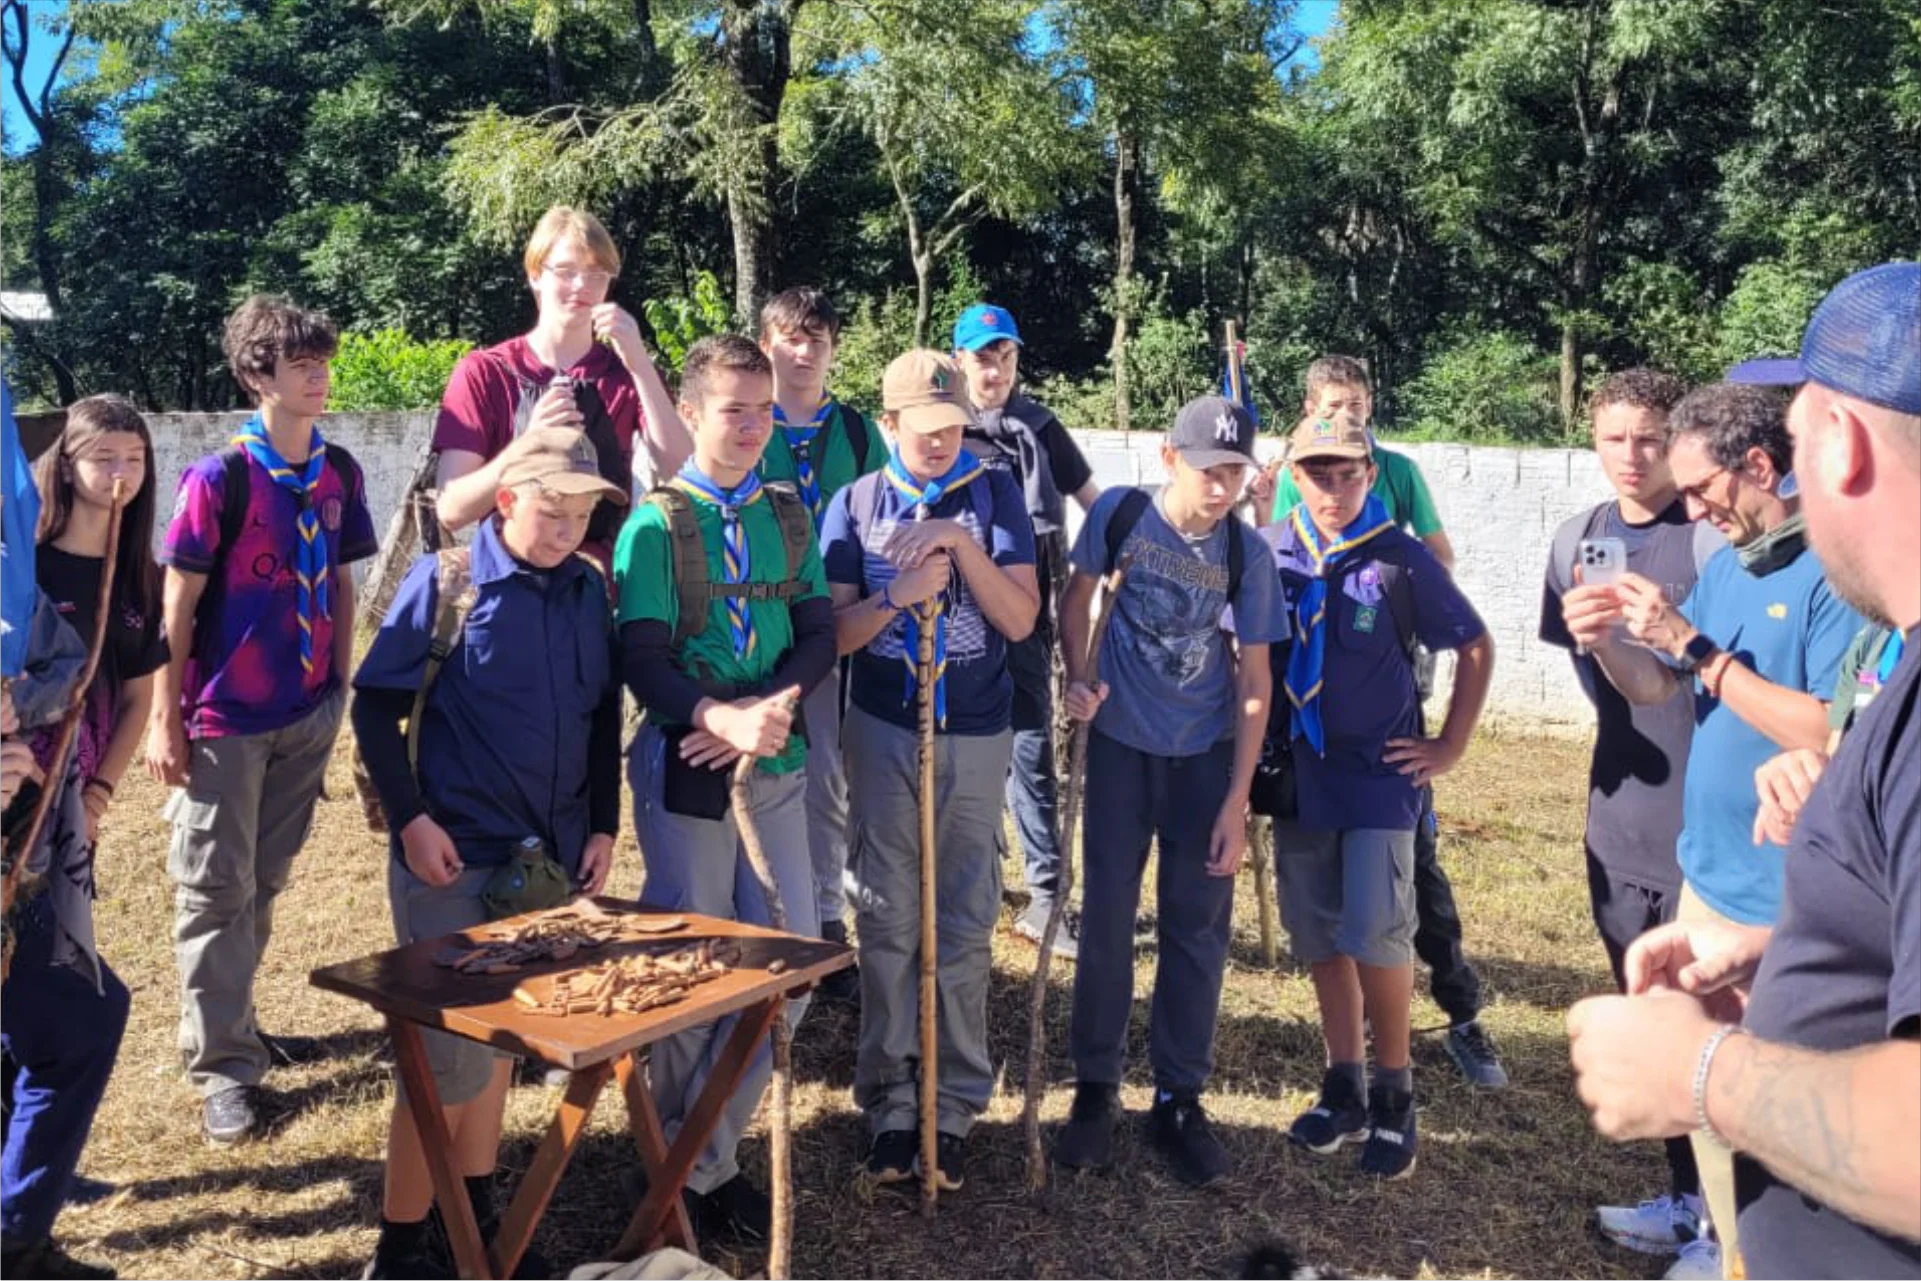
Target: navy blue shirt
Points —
{"points": [[860, 520], [1843, 968], [506, 735], [1368, 695]]}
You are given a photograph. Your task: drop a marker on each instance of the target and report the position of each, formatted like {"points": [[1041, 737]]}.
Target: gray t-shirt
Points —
{"points": [[1166, 661]]}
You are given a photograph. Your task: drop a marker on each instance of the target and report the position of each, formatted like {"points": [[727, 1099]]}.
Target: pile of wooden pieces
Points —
{"points": [[557, 935], [633, 984]]}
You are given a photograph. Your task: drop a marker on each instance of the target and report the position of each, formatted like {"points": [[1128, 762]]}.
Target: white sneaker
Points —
{"points": [[1700, 1260], [1661, 1226]]}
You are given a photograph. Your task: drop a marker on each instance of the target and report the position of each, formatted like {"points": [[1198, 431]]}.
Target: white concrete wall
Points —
{"points": [[1500, 506]]}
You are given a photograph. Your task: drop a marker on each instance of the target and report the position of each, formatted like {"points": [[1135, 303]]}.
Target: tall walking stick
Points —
{"points": [[780, 1146], [929, 936], [69, 724], [1070, 811]]}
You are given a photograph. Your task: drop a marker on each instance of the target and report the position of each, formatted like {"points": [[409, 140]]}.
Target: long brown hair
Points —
{"points": [[136, 577]]}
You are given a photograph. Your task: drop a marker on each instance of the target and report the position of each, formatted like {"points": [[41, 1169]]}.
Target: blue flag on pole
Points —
{"points": [[19, 515]]}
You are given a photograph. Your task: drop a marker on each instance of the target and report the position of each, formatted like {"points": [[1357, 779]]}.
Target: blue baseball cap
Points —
{"points": [[1864, 341], [984, 323]]}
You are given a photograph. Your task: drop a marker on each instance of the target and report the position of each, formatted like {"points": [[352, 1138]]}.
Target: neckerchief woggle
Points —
{"points": [[733, 540], [965, 469], [311, 570], [1307, 660], [800, 438]]}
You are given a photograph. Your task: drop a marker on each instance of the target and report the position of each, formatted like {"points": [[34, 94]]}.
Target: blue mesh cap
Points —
{"points": [[1864, 341]]}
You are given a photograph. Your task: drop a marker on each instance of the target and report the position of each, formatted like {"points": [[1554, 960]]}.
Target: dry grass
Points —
{"points": [[1505, 1185]]}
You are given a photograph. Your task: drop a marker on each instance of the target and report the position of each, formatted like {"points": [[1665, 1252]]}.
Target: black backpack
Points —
{"points": [[598, 426]]}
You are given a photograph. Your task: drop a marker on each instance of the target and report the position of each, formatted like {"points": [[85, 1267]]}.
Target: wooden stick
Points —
{"points": [[70, 723], [1069, 818], [781, 1144], [929, 935], [1260, 850]]}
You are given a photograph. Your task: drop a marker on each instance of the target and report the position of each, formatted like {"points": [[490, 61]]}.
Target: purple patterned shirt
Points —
{"points": [[244, 674]]}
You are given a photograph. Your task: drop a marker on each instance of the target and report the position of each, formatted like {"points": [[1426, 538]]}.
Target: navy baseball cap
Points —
{"points": [[1864, 341], [984, 323], [1212, 431]]}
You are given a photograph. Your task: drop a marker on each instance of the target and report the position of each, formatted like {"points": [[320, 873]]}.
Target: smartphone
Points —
{"points": [[1603, 561]]}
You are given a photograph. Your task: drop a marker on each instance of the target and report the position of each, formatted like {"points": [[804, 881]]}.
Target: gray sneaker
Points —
{"points": [[1032, 924], [230, 1116], [1472, 1050]]}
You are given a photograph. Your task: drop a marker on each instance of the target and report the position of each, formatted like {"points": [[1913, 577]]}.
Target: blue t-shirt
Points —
{"points": [[1166, 660], [1368, 692], [1788, 628], [504, 740], [1843, 969], [859, 521]]}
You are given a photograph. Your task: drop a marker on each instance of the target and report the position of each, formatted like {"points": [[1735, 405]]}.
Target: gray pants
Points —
{"points": [[970, 774], [1134, 800], [826, 799], [461, 1067], [237, 824], [698, 865]]}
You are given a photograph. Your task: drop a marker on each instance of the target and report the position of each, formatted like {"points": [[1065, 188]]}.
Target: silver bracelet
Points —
{"points": [[1701, 1070]]}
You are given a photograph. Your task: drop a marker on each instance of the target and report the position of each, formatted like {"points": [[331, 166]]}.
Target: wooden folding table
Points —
{"points": [[413, 991]]}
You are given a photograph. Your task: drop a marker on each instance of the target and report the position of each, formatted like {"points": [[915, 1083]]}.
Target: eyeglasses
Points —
{"points": [[575, 276], [1333, 479], [1698, 491]]}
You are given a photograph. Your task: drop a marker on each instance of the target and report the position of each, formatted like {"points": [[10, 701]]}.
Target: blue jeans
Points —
{"points": [[65, 1037]]}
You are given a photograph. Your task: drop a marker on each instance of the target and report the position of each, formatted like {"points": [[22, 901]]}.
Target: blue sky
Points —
{"points": [[1313, 17]]}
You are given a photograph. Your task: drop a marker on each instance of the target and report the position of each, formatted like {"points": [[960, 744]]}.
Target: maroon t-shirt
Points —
{"points": [[479, 414]]}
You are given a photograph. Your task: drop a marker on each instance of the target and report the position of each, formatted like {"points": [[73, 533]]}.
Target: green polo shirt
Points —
{"points": [[644, 580], [836, 464], [1397, 482]]}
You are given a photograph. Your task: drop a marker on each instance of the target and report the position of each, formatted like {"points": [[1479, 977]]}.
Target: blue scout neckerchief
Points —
{"points": [[965, 468], [311, 570], [733, 538], [1304, 665], [800, 439]]}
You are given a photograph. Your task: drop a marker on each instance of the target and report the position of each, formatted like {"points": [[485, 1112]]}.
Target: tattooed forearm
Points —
{"points": [[1844, 1128]]}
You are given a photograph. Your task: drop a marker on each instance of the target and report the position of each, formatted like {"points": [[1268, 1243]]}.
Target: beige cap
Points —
{"points": [[925, 389], [1338, 437], [561, 460]]}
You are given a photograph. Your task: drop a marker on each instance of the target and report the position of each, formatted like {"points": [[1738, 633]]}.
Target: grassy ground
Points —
{"points": [[1505, 1184]]}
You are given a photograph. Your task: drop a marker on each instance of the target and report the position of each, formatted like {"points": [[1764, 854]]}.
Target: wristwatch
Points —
{"points": [[1699, 650]]}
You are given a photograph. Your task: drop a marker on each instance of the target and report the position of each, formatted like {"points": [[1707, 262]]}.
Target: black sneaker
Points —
{"points": [[1182, 1131], [1389, 1150], [1472, 1050], [842, 986], [1086, 1142], [1340, 1117], [891, 1156], [43, 1258], [411, 1251], [734, 1209], [231, 1115], [950, 1161]]}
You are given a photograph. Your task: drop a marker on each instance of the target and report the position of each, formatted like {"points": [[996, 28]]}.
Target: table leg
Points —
{"points": [[543, 1174], [651, 1139], [423, 1100], [663, 1191]]}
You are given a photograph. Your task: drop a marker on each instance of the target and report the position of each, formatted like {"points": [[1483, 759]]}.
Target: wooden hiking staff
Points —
{"points": [[929, 936], [1070, 811], [780, 1147], [70, 723]]}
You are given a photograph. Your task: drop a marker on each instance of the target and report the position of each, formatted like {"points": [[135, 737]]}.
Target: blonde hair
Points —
{"points": [[577, 228]]}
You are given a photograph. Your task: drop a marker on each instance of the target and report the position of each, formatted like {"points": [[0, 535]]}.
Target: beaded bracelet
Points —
{"points": [[1701, 1070]]}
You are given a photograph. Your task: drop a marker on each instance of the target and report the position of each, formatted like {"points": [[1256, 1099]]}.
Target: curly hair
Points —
{"points": [[267, 330], [1731, 419], [1640, 388]]}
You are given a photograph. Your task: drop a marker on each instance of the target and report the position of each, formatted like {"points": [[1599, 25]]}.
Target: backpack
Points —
{"points": [[695, 589], [455, 596], [859, 437], [596, 424], [237, 487], [1127, 514]]}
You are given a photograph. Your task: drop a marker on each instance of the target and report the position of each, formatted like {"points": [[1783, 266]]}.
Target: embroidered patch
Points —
{"points": [[1364, 616], [330, 514], [1777, 610]]}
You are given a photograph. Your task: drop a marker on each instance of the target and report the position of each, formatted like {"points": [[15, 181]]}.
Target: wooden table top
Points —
{"points": [[408, 982]]}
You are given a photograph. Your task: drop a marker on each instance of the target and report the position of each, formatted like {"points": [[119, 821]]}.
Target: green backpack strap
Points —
{"points": [[454, 585], [796, 529], [692, 586]]}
